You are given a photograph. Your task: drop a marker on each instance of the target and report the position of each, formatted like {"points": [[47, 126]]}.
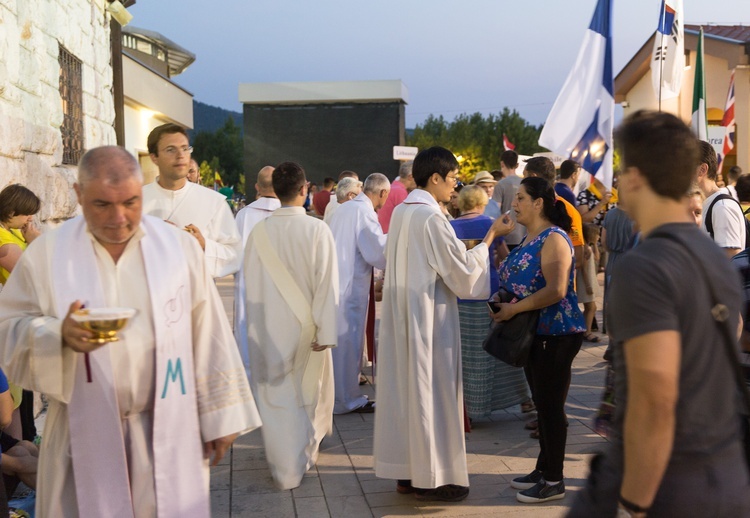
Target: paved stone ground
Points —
{"points": [[343, 483]]}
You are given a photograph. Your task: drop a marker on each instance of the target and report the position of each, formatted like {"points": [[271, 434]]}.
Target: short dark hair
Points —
{"points": [[430, 161], [553, 209], [662, 147], [155, 136], [17, 200], [708, 157], [497, 174], [734, 173], [328, 182], [509, 158], [542, 167], [568, 168], [288, 178], [743, 188]]}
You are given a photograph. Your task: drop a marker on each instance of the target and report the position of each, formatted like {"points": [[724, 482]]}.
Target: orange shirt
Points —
{"points": [[576, 226]]}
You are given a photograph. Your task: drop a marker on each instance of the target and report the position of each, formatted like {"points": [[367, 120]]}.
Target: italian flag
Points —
{"points": [[700, 122]]}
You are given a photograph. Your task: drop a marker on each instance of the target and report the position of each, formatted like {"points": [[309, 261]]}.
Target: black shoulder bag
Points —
{"points": [[720, 314], [511, 341]]}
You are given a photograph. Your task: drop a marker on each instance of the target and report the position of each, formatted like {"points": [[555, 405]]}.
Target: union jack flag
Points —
{"points": [[728, 122]]}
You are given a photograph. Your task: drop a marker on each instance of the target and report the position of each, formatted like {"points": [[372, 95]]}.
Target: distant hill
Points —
{"points": [[210, 118]]}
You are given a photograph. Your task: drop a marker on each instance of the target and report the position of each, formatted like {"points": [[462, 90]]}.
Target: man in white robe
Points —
{"points": [[129, 422], [292, 294], [258, 210], [419, 434], [334, 203], [202, 212], [360, 246]]}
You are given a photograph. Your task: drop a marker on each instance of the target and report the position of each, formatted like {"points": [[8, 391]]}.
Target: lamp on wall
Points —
{"points": [[119, 13]]}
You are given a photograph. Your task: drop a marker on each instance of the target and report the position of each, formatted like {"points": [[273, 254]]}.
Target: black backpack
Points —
{"points": [[707, 217]]}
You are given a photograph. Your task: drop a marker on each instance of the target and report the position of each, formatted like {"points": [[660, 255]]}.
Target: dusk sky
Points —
{"points": [[453, 56]]}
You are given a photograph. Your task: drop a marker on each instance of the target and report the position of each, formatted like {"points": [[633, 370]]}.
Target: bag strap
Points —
{"points": [[720, 314], [280, 276]]}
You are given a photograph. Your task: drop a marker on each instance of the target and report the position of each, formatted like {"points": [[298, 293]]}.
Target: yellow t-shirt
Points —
{"points": [[10, 237]]}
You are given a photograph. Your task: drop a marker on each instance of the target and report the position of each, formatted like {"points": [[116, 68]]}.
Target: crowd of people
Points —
{"points": [[133, 426]]}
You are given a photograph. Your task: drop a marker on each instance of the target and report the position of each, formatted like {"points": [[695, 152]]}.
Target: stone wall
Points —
{"points": [[30, 105]]}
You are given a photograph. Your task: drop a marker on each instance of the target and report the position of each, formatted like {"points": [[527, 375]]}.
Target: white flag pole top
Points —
{"points": [[581, 121], [668, 57], [699, 119]]}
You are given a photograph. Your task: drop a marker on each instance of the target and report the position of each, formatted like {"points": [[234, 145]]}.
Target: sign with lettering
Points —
{"points": [[404, 152]]}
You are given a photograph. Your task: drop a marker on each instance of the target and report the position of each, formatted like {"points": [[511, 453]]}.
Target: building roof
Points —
{"points": [[737, 33], [323, 92], [178, 58]]}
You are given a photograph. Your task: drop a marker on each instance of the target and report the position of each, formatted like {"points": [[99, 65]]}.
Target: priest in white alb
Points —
{"points": [[419, 432], [292, 294], [202, 212], [360, 246], [131, 423], [258, 210]]}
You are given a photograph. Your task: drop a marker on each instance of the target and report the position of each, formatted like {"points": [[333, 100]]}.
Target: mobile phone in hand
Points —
{"points": [[494, 306]]}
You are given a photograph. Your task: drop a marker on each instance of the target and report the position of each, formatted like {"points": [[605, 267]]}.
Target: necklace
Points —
{"points": [[469, 213]]}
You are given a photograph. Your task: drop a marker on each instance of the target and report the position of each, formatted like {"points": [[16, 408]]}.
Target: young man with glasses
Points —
{"points": [[419, 434], [202, 212]]}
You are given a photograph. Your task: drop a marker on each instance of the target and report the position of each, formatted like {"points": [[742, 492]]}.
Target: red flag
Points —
{"points": [[728, 122], [507, 144]]}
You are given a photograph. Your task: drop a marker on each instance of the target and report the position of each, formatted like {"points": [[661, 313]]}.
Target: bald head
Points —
{"points": [[264, 184], [111, 164]]}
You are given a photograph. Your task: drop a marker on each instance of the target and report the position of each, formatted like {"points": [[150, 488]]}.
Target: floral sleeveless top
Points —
{"points": [[521, 273]]}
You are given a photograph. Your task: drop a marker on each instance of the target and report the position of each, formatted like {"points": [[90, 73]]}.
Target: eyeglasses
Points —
{"points": [[174, 151], [453, 179]]}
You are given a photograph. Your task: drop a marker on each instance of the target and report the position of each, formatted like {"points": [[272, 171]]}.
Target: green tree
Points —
{"points": [[222, 150], [477, 139]]}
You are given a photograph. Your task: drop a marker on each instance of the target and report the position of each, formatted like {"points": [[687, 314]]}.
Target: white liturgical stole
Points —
{"points": [[96, 435]]}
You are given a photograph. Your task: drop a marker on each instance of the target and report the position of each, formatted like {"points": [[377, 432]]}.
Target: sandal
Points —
{"points": [[591, 337], [362, 380], [446, 493], [367, 408], [527, 406], [532, 425]]}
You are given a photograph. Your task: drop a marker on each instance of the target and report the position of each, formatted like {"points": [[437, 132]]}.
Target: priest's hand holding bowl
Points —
{"points": [[502, 226], [74, 335]]}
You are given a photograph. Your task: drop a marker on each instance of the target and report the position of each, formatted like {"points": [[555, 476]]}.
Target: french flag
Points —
{"points": [[581, 120]]}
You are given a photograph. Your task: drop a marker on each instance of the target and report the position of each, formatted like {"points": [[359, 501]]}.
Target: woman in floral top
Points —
{"points": [[540, 273]]}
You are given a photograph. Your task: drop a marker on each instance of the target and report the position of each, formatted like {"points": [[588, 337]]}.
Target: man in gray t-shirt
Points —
{"points": [[506, 190], [676, 447]]}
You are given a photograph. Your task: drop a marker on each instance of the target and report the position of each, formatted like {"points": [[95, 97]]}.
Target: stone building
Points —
{"points": [[55, 95]]}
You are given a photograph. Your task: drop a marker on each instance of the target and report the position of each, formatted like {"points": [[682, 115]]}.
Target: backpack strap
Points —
{"points": [[708, 217]]}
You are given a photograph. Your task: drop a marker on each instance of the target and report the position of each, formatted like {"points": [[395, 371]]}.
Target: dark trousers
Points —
{"points": [[548, 373]]}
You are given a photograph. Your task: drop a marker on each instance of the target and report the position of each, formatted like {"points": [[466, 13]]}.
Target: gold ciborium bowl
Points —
{"points": [[471, 243], [104, 322]]}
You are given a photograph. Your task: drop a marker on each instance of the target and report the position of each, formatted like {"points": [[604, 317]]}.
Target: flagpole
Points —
{"points": [[661, 65]]}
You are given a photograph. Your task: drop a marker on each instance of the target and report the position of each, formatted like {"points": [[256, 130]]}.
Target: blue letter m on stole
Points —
{"points": [[173, 372]]}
